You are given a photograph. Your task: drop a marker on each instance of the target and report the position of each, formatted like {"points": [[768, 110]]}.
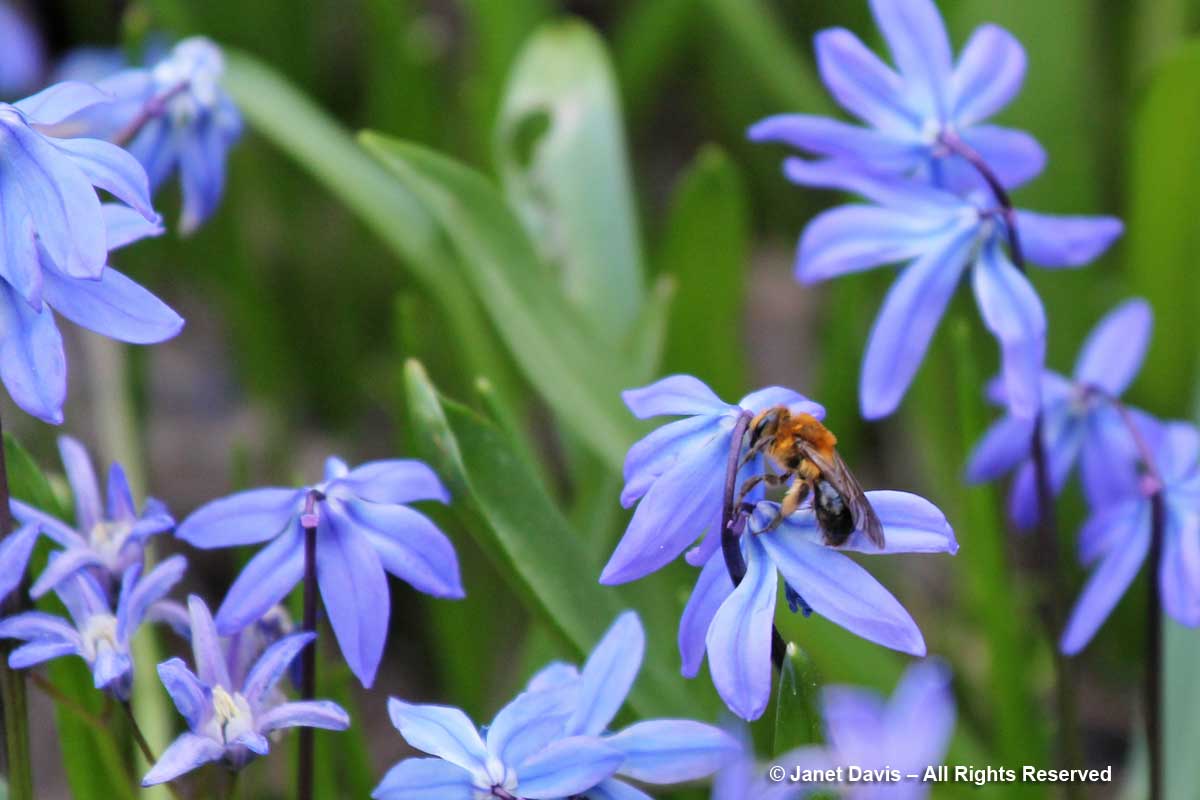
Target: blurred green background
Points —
{"points": [[663, 240]]}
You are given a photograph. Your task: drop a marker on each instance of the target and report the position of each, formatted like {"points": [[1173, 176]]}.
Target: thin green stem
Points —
{"points": [[47, 687], [13, 700]]}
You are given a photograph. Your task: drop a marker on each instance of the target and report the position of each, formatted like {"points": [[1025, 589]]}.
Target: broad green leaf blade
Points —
{"points": [[797, 720], [27, 482], [564, 166], [517, 524], [706, 248], [92, 760], [292, 122], [580, 379]]}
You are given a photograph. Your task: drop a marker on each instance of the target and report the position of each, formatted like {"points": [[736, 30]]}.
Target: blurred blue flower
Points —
{"points": [[33, 362], [229, 720], [99, 637], [678, 471], [1116, 537], [105, 543], [734, 625], [940, 234], [912, 115], [910, 732], [661, 751], [173, 116], [1079, 421], [365, 530], [22, 57]]}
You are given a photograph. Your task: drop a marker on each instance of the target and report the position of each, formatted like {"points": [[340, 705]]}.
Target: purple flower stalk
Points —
{"points": [[912, 112], [938, 235], [1080, 422], [1116, 538], [22, 56], [106, 540], [365, 530], [734, 625], [229, 720], [97, 635], [676, 474]]}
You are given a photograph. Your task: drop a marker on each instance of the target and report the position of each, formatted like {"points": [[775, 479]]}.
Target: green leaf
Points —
{"points": [[564, 166], [516, 523], [92, 761], [706, 248], [580, 380], [1180, 710], [26, 481], [797, 720]]}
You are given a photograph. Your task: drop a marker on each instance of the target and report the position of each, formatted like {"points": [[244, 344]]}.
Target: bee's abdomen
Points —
{"points": [[833, 516]]}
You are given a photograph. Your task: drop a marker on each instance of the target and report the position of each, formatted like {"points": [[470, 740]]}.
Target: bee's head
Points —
{"points": [[767, 423]]}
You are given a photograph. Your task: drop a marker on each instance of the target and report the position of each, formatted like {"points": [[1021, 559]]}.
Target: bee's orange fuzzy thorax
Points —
{"points": [[810, 429]]}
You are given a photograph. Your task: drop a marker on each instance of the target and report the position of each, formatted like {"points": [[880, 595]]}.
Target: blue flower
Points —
{"points": [[230, 720], [365, 530], [1079, 420], [22, 57], [938, 235], [912, 114], [98, 636], [104, 542], [1116, 537], [659, 751], [734, 625], [678, 471], [175, 117]]}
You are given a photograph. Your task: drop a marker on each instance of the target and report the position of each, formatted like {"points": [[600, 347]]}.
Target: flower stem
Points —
{"points": [[1154, 648], [735, 564], [308, 677], [143, 745], [153, 108], [955, 145], [47, 687], [13, 705]]}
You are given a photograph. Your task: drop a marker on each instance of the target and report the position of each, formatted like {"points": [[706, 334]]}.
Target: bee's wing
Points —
{"points": [[842, 479]]}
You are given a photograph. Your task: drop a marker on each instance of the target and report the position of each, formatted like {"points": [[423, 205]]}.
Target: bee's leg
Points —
{"points": [[791, 501], [748, 487], [758, 447]]}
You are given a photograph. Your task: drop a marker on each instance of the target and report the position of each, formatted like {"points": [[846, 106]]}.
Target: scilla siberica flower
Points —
{"points": [[175, 117], [676, 474], [1079, 421], [1116, 537], [22, 57], [938, 235], [98, 636], [365, 530], [107, 538], [912, 112], [661, 751], [229, 720], [734, 625]]}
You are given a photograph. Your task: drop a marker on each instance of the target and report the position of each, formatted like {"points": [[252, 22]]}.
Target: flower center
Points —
{"points": [[100, 632], [108, 537], [495, 781], [232, 713]]}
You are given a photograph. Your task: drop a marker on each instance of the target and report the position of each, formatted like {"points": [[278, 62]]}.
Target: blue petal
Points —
{"points": [[126, 226], [206, 646], [1013, 312], [110, 168], [202, 154], [529, 723], [425, 779], [920, 718], [84, 487], [907, 321], [675, 395], [113, 306], [919, 45], [243, 518], [831, 138], [324, 714], [555, 675], [409, 546], [673, 751], [19, 262], [191, 697], [739, 638], [1003, 446], [55, 528], [854, 722], [183, 755], [673, 514], [441, 731], [37, 625], [888, 190], [861, 83], [568, 767], [1175, 450], [911, 524], [33, 365], [24, 56], [1108, 458], [1179, 569], [1062, 437], [853, 238], [354, 592], [613, 789], [770, 396], [264, 581], [608, 675], [843, 592], [120, 496], [711, 590], [15, 549], [61, 566], [1062, 241], [55, 103], [137, 597], [1113, 352], [1104, 588], [40, 651], [271, 665], [652, 456], [394, 481], [988, 74]]}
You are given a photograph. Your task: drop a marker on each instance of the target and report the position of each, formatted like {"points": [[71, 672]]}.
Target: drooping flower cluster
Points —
{"points": [[936, 181], [552, 740], [365, 529]]}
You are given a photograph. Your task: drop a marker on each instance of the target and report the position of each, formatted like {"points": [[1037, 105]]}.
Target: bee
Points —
{"points": [[806, 450]]}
